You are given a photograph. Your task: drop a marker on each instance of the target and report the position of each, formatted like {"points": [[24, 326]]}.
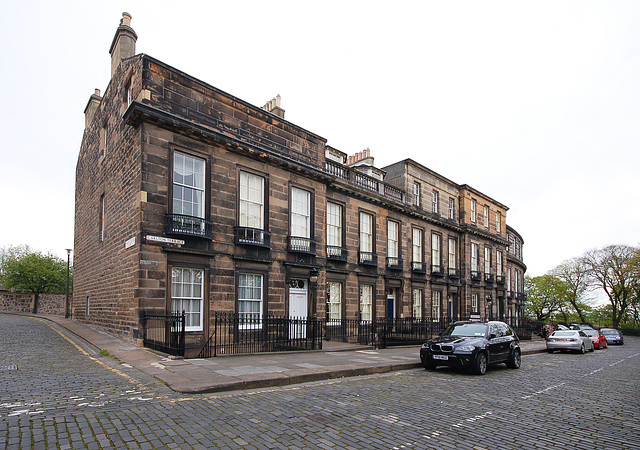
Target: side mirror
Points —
{"points": [[492, 336]]}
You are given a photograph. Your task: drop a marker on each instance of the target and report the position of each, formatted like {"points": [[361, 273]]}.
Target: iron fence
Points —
{"points": [[164, 332]]}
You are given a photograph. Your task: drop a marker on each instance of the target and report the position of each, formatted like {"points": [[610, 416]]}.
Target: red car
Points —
{"points": [[599, 341]]}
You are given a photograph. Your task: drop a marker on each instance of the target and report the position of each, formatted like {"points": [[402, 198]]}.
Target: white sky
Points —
{"points": [[536, 104]]}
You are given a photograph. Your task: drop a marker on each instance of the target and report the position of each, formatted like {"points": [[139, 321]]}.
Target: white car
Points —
{"points": [[575, 340]]}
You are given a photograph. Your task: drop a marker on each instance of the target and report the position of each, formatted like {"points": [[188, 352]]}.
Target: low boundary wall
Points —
{"points": [[25, 303]]}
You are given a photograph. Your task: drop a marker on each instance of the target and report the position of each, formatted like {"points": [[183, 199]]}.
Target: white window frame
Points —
{"points": [[416, 296], [434, 202], [366, 302], [366, 232], [300, 213], [393, 231], [499, 263], [486, 216], [252, 284], [498, 221], [487, 260], [334, 301], [417, 245], [334, 224], [474, 257], [436, 305], [452, 254], [474, 302], [452, 209], [101, 219], [187, 294], [473, 210], [436, 259], [192, 198], [416, 194], [251, 200]]}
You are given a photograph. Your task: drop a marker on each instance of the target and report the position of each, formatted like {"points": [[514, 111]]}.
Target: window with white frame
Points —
{"points": [[417, 246], [473, 210], [334, 225], [452, 254], [366, 232], [187, 294], [452, 209], [366, 297], [434, 202], [103, 140], [436, 305], [486, 216], [188, 185], [517, 278], [498, 221], [251, 201], [474, 257], [130, 91], [417, 303], [474, 302], [250, 299], [509, 279], [334, 303], [300, 213], [416, 194], [499, 263], [392, 240], [435, 250], [487, 260]]}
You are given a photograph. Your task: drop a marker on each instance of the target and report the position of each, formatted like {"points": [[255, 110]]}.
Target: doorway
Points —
{"points": [[298, 309]]}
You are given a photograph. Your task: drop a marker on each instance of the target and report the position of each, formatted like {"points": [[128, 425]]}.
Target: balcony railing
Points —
{"points": [[336, 253], [252, 236], [418, 267], [368, 258], [437, 269], [453, 272], [500, 279], [394, 263], [363, 180], [488, 277], [476, 275], [188, 225], [301, 245]]}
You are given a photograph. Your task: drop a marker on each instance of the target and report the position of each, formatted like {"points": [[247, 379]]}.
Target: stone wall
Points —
{"points": [[23, 303]]}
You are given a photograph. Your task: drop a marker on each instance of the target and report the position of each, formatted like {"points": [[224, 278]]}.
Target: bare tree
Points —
{"points": [[575, 275], [612, 268]]}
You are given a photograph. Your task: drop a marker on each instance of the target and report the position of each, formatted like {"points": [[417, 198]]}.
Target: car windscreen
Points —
{"points": [[467, 329], [610, 332], [591, 332], [564, 333]]}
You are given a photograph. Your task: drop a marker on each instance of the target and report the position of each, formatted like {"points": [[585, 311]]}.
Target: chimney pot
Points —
{"points": [[126, 19]]}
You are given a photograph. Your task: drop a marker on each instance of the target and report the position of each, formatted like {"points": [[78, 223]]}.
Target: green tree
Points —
{"points": [[615, 270], [27, 270], [574, 274], [546, 295]]}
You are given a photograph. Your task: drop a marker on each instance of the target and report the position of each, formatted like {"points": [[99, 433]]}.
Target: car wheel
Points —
{"points": [[621, 342], [429, 366], [582, 349], [480, 364], [515, 359], [549, 351]]}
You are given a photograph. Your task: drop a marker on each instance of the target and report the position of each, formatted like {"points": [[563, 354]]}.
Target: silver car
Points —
{"points": [[575, 340]]}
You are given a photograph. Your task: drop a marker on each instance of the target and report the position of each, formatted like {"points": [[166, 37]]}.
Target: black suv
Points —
{"points": [[473, 345]]}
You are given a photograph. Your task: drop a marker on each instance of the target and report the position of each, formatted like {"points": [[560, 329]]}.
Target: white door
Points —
{"points": [[298, 311]]}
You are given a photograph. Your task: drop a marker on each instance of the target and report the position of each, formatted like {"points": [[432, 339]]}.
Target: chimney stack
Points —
{"points": [[273, 106], [92, 106], [124, 42]]}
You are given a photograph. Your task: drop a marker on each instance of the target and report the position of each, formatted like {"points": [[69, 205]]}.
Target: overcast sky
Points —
{"points": [[536, 104]]}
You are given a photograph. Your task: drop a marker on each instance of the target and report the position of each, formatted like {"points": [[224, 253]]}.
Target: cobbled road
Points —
{"points": [[57, 393]]}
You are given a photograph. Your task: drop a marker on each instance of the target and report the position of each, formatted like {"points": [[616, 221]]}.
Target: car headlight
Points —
{"points": [[464, 349], [425, 345]]}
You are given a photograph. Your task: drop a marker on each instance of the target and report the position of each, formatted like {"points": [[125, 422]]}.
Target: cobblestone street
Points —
{"points": [[56, 393]]}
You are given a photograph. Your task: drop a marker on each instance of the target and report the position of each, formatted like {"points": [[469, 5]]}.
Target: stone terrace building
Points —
{"points": [[188, 198]]}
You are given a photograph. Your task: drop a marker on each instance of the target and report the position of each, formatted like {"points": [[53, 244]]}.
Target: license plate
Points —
{"points": [[442, 357], [560, 340]]}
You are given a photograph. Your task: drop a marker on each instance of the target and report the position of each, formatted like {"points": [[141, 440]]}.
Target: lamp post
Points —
{"points": [[66, 299]]}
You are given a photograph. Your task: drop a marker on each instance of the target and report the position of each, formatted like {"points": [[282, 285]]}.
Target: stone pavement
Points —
{"points": [[236, 372]]}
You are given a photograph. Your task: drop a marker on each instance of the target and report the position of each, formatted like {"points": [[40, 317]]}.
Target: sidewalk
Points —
{"points": [[226, 373]]}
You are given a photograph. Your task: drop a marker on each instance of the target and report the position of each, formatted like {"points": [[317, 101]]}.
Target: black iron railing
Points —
{"points": [[418, 267], [336, 253], [453, 272], [437, 269], [188, 225], [301, 245], [368, 258], [164, 332], [252, 236], [394, 263]]}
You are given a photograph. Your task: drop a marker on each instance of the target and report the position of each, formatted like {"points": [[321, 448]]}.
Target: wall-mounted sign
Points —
{"points": [[146, 262], [130, 242], [475, 317], [164, 240]]}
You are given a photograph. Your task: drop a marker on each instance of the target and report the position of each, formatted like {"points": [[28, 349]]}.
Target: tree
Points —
{"points": [[615, 270], [546, 295], [574, 274], [31, 271]]}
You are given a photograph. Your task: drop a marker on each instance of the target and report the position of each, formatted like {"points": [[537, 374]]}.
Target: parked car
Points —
{"points": [[613, 336], [599, 341], [580, 326], [473, 345], [564, 340]]}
